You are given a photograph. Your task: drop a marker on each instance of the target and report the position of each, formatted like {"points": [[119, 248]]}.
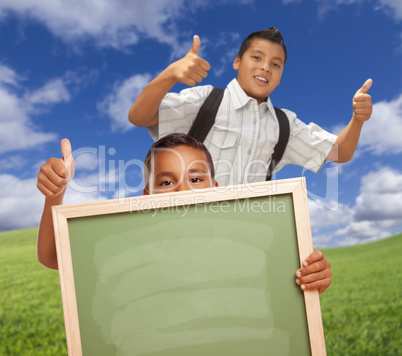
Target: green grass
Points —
{"points": [[31, 314], [362, 310]]}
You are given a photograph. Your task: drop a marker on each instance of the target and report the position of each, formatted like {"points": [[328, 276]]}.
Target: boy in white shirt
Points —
{"points": [[246, 128]]}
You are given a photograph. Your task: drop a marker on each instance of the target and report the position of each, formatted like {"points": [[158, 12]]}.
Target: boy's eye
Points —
{"points": [[256, 57], [276, 65], [195, 180], [166, 183]]}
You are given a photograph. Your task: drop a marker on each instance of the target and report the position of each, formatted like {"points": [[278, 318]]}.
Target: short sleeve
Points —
{"points": [[178, 111], [308, 146]]}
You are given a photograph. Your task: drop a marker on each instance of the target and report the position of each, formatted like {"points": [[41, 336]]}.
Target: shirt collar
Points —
{"points": [[271, 107], [240, 98]]}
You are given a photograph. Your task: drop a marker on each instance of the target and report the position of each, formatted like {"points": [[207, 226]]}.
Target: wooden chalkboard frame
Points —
{"points": [[296, 187]]}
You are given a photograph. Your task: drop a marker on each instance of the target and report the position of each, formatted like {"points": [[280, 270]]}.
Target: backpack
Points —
{"points": [[206, 118]]}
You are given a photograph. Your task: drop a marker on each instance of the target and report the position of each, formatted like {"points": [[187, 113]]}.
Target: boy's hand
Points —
{"points": [[56, 173], [362, 106], [191, 69], [315, 273]]}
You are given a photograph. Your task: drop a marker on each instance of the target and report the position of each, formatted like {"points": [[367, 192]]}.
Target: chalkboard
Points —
{"points": [[207, 272]]}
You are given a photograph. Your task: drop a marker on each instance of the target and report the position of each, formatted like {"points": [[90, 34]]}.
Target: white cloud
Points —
{"points": [[115, 23], [380, 196], [393, 8], [54, 91], [15, 162], [330, 214], [116, 104], [375, 215], [21, 203], [378, 207], [17, 129], [383, 181], [382, 133], [8, 76], [364, 231], [323, 240], [87, 161]]}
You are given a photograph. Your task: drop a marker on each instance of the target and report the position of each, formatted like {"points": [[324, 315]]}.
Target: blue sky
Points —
{"points": [[73, 69]]}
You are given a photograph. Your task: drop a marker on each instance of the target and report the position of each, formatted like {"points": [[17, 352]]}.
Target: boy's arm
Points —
{"points": [[346, 143], [315, 273], [189, 70], [52, 182]]}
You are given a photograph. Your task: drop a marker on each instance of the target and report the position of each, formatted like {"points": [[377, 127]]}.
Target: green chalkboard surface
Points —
{"points": [[213, 278]]}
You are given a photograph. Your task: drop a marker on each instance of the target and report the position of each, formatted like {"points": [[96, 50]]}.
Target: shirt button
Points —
{"points": [[255, 121], [249, 152]]}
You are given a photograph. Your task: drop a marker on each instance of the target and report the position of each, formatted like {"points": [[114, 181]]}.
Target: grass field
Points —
{"points": [[362, 310]]}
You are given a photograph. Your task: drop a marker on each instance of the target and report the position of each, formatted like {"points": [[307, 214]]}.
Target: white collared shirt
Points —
{"points": [[243, 137]]}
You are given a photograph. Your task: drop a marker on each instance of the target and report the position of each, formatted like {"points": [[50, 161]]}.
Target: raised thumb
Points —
{"points": [[65, 148], [67, 158], [366, 86], [196, 45]]}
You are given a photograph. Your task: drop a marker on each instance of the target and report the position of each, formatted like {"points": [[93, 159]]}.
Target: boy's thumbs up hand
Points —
{"points": [[56, 173], [362, 105], [191, 69]]}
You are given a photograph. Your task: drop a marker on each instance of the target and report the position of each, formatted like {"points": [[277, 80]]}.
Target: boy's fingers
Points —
{"points": [[321, 285], [51, 179], [54, 169], [196, 45], [314, 267], [206, 67], [366, 86], [314, 277], [46, 192], [315, 256], [50, 188], [199, 74]]}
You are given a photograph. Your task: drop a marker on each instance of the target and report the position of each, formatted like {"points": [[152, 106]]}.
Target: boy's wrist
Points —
{"points": [[169, 75], [357, 121], [57, 200]]}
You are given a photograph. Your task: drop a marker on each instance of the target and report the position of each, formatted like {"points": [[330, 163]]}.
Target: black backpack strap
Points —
{"points": [[206, 116], [284, 130]]}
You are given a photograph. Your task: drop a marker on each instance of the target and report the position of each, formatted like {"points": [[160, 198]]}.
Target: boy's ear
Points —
{"points": [[236, 63]]}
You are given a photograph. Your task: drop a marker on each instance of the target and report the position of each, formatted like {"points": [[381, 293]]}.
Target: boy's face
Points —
{"points": [[177, 169], [260, 69]]}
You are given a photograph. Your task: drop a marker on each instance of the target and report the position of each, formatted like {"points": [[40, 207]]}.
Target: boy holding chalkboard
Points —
{"points": [[174, 163], [246, 137]]}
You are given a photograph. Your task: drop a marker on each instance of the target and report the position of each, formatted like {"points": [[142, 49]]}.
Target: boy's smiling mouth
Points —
{"points": [[261, 79]]}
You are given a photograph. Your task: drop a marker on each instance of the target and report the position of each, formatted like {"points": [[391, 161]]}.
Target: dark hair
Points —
{"points": [[174, 140], [271, 34]]}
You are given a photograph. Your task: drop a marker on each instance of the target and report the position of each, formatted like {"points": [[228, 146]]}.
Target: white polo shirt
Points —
{"points": [[243, 137]]}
